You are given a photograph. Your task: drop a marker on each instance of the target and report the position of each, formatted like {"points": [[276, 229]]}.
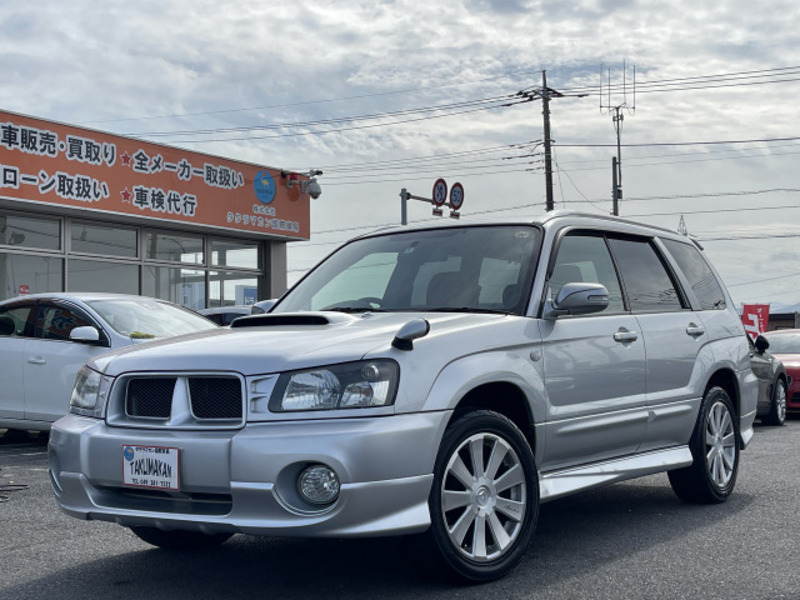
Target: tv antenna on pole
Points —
{"points": [[617, 111]]}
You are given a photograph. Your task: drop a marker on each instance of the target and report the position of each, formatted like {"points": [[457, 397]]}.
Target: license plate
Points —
{"points": [[150, 467]]}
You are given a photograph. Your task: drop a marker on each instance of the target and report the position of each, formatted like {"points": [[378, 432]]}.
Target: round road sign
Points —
{"points": [[456, 196], [439, 192]]}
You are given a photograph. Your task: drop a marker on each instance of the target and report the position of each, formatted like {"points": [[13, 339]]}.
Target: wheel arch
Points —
{"points": [[505, 398], [726, 379]]}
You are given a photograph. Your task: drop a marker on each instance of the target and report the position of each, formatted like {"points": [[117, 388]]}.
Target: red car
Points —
{"points": [[784, 344]]}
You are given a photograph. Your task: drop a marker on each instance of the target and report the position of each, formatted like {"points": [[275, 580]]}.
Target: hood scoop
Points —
{"points": [[279, 320]]}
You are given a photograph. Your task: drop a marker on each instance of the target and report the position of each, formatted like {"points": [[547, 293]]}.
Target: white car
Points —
{"points": [[46, 338]]}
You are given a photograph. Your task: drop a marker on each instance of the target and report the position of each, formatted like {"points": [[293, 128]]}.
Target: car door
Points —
{"points": [[52, 360], [673, 337], [594, 365], [13, 341]]}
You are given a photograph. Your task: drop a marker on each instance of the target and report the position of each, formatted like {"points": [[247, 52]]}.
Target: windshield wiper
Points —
{"points": [[466, 309], [353, 309]]}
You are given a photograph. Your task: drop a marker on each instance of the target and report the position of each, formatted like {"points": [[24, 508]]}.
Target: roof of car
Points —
{"points": [[542, 219], [84, 296]]}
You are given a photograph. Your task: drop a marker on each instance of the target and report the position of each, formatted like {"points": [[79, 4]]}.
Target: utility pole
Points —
{"points": [[616, 190], [546, 93], [548, 164], [617, 161], [617, 118]]}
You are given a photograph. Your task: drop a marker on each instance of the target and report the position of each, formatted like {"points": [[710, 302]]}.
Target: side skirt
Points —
{"points": [[556, 484]]}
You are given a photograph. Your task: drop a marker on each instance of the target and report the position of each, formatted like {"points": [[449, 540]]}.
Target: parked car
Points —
{"points": [[784, 344], [440, 380], [46, 338], [772, 382], [224, 315]]}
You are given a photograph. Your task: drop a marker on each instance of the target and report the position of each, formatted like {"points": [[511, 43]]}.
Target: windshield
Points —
{"points": [[784, 343], [145, 318], [470, 269]]}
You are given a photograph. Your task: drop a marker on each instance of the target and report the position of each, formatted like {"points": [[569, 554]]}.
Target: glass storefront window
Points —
{"points": [[186, 287], [226, 289], [30, 232], [21, 274], [232, 253], [173, 247], [105, 241], [95, 276]]}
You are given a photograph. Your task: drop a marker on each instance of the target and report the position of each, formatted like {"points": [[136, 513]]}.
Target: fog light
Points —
{"points": [[318, 484]]}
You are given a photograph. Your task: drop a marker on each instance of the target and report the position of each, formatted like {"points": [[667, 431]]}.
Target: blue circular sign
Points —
{"points": [[264, 187], [128, 452]]}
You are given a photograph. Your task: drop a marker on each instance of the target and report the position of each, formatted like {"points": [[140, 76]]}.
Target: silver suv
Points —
{"points": [[439, 380]]}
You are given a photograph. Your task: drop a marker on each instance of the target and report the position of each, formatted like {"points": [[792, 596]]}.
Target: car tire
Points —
{"points": [[483, 518], [777, 406], [180, 540], [714, 445]]}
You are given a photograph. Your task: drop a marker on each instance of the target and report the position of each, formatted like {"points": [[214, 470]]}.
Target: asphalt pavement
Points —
{"points": [[628, 540]]}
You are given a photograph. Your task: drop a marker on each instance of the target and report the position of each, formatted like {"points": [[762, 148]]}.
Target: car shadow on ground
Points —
{"points": [[575, 534], [10, 437]]}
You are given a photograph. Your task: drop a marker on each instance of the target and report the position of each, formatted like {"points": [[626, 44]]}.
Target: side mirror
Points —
{"points": [[259, 308], [414, 329], [577, 299], [761, 343], [85, 335]]}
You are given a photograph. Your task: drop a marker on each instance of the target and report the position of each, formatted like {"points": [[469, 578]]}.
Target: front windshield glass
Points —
{"points": [[146, 318], [470, 269], [784, 343]]}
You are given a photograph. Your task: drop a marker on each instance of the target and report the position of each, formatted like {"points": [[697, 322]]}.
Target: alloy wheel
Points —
{"points": [[484, 497]]}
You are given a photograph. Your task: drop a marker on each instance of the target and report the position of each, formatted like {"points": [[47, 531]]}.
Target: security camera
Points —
{"points": [[312, 188]]}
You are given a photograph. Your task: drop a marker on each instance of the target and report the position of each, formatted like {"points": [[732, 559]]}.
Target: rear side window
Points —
{"points": [[647, 282], [700, 276], [12, 320]]}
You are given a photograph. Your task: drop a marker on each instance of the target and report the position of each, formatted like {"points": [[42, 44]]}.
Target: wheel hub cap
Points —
{"points": [[484, 494]]}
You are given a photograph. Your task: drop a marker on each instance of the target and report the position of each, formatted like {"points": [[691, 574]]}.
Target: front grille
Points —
{"points": [[216, 397], [181, 400], [150, 397]]}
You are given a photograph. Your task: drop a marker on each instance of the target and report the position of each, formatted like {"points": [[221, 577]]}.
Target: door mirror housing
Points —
{"points": [[86, 335], [761, 343], [577, 299]]}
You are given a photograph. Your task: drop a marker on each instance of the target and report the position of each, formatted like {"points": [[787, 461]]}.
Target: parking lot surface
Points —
{"points": [[629, 540]]}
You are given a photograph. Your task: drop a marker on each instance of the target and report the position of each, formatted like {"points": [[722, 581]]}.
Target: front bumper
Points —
{"points": [[244, 481]]}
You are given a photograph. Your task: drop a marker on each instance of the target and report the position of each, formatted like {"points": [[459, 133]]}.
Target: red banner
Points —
{"points": [[755, 318], [51, 163]]}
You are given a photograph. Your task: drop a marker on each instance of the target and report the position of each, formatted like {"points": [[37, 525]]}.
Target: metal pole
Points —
{"points": [[548, 169], [614, 188], [618, 120], [403, 207]]}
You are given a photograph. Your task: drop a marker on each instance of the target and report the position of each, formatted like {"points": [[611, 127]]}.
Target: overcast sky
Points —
{"points": [[383, 95]]}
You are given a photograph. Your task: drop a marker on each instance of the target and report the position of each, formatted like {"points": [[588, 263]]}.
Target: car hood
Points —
{"points": [[790, 361], [275, 343]]}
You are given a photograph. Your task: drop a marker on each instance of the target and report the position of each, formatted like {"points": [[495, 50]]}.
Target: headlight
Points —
{"points": [[362, 384], [88, 395]]}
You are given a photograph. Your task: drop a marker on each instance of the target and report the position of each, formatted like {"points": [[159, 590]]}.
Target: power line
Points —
{"points": [[353, 128], [334, 121], [406, 91]]}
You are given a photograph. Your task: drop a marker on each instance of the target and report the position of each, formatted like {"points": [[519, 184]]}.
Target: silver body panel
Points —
{"points": [[601, 409]]}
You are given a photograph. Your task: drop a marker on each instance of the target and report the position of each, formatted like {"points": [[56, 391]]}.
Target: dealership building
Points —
{"points": [[83, 210]]}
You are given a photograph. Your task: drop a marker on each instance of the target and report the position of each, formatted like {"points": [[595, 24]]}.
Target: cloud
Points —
{"points": [[149, 66]]}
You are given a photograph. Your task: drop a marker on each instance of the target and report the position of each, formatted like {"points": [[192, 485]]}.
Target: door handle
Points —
{"points": [[625, 336], [37, 360], [695, 330]]}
